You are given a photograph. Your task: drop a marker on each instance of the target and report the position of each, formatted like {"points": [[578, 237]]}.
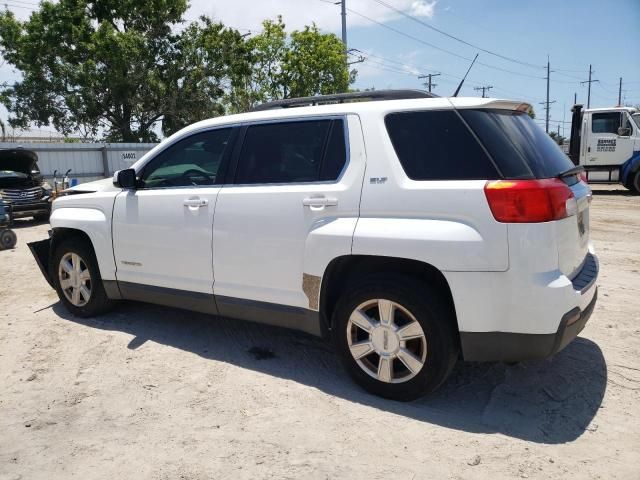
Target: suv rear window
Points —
{"points": [[437, 145], [519, 147]]}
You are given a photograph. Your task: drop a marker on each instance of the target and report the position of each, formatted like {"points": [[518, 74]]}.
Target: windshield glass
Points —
{"points": [[520, 148], [636, 118]]}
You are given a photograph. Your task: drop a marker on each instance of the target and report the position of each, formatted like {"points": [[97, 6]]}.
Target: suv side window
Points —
{"points": [[437, 145], [292, 152], [607, 122], [192, 161]]}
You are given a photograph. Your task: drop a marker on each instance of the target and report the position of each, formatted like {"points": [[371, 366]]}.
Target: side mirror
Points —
{"points": [[125, 178], [624, 131]]}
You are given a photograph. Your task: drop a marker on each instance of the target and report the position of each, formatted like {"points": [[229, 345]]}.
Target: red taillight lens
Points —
{"points": [[528, 201]]}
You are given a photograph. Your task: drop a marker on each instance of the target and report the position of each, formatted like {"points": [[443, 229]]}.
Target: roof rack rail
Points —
{"points": [[344, 98]]}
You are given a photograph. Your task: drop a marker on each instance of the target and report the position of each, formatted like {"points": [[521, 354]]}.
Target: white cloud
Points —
{"points": [[249, 14], [422, 8]]}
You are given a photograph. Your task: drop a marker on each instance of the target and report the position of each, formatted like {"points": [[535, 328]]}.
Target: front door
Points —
{"points": [[605, 146], [292, 178], [162, 229]]}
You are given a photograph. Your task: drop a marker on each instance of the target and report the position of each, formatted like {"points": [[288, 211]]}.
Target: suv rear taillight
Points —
{"points": [[530, 201]]}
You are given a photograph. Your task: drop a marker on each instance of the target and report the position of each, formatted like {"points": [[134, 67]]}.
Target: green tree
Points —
{"points": [[301, 64], [315, 64], [559, 139], [116, 66]]}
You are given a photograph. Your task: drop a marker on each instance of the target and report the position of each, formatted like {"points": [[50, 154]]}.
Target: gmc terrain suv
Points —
{"points": [[405, 227], [22, 188]]}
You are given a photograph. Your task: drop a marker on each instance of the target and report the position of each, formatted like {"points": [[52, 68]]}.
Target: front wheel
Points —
{"points": [[636, 182], [77, 279], [396, 337]]}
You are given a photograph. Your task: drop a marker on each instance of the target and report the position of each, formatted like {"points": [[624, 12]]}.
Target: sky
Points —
{"points": [[513, 39]]}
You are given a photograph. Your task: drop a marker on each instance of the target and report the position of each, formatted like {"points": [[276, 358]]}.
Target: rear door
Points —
{"points": [[291, 177]]}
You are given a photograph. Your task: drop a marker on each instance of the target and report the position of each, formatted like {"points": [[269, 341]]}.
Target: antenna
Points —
{"points": [[455, 94]]}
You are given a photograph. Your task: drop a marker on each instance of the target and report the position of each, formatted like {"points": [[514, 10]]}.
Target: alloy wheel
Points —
{"points": [[386, 341], [75, 279]]}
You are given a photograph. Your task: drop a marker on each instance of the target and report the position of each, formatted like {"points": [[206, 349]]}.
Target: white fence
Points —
{"points": [[87, 161]]}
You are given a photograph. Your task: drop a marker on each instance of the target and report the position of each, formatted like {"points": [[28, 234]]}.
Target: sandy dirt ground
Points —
{"points": [[158, 393]]}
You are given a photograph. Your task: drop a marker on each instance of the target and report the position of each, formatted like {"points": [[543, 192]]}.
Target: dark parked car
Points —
{"points": [[22, 186]]}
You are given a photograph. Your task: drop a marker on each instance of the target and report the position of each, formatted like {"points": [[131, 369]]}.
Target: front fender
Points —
{"points": [[97, 226]]}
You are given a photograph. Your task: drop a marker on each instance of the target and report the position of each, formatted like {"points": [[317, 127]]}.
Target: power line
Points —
{"points": [[458, 39], [419, 40], [418, 68]]}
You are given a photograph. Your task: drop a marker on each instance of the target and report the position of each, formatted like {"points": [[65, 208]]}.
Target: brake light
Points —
{"points": [[530, 201]]}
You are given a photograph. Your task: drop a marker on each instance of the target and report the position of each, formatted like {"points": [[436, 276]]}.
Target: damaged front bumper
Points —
{"points": [[41, 251]]}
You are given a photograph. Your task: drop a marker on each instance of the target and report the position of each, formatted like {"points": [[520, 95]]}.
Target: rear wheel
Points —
{"points": [[395, 336], [77, 279]]}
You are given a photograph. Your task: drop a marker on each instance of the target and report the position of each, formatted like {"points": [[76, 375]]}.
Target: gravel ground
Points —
{"points": [[159, 393]]}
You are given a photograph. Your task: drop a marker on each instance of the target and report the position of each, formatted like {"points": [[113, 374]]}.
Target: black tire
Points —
{"points": [[98, 302], [8, 239], [431, 311], [635, 183]]}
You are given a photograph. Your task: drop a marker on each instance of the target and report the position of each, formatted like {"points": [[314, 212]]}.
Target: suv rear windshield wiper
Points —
{"points": [[572, 171]]}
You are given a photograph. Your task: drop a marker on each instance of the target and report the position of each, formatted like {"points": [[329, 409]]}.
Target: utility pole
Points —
{"points": [[590, 81], [484, 89], [429, 84], [575, 98], [546, 123], [546, 109], [620, 93], [343, 4]]}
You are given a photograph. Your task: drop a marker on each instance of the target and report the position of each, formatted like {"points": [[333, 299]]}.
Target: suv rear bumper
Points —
{"points": [[515, 347]]}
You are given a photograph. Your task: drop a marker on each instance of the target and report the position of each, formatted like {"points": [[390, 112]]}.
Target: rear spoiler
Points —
{"points": [[461, 103]]}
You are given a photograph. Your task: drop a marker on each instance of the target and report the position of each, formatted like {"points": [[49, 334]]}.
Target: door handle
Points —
{"points": [[195, 202], [319, 201]]}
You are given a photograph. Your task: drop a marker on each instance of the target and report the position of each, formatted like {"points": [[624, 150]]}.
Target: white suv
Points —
{"points": [[407, 228]]}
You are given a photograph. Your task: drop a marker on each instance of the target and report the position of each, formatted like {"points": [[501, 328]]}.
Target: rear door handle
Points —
{"points": [[319, 201], [195, 202]]}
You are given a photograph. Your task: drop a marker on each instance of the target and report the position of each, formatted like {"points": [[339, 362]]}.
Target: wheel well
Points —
{"points": [[344, 271], [59, 235]]}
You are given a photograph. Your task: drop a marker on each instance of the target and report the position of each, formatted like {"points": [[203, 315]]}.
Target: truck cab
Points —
{"points": [[606, 142]]}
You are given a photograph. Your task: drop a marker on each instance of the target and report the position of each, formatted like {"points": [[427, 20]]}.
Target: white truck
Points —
{"points": [[606, 142]]}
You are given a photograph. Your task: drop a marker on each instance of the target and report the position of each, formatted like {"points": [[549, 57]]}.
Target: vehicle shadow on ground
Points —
{"points": [[551, 401]]}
